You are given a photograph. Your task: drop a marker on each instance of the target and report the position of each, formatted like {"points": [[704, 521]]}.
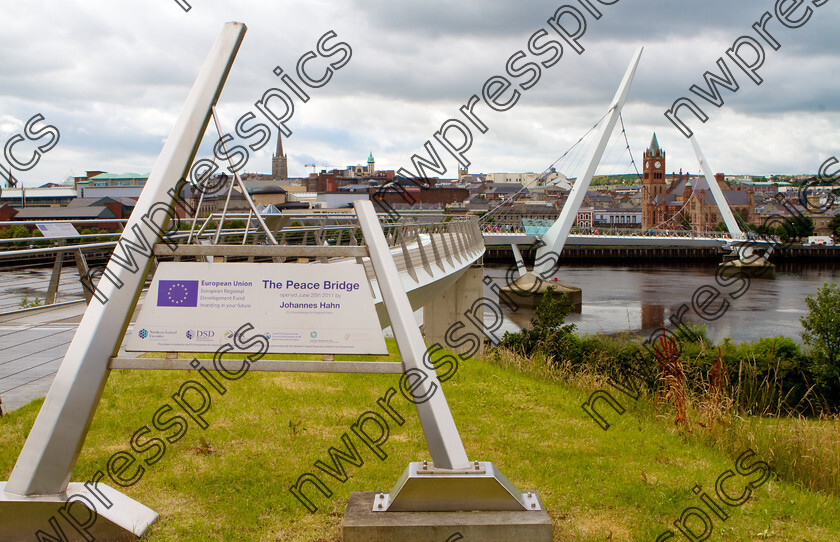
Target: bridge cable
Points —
{"points": [[632, 160], [520, 193], [639, 175]]}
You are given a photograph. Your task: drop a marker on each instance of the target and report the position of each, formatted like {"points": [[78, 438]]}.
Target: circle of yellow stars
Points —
{"points": [[185, 293]]}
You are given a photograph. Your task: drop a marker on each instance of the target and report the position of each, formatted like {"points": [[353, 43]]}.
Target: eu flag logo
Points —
{"points": [[177, 293]]}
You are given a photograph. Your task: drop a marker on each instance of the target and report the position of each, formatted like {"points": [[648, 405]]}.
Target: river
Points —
{"points": [[615, 298], [638, 298]]}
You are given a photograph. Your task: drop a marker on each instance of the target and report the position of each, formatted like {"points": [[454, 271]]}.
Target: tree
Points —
{"points": [[548, 333], [822, 328], [835, 225], [14, 231], [17, 231], [764, 229], [551, 313], [797, 227]]}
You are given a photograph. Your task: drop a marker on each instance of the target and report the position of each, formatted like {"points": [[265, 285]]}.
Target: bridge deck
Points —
{"points": [[33, 344], [517, 238], [34, 341]]}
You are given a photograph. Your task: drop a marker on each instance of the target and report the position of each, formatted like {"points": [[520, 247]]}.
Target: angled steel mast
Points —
{"points": [[40, 481], [720, 200], [555, 238]]}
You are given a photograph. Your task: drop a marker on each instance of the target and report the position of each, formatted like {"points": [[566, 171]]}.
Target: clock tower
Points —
{"points": [[653, 181]]}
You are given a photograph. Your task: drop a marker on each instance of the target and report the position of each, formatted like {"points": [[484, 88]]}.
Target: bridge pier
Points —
{"points": [[753, 268], [453, 305], [750, 259], [528, 291]]}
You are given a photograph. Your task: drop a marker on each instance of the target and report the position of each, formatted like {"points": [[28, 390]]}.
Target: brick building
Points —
{"points": [[687, 201]]}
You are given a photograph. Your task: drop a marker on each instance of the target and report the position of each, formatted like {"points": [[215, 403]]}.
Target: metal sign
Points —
{"points": [[302, 309], [58, 229]]}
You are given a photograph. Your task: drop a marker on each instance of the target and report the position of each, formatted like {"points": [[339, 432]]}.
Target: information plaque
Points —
{"points": [[57, 229], [303, 309]]}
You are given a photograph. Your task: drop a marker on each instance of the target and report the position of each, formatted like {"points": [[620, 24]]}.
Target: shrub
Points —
{"points": [[822, 333]]}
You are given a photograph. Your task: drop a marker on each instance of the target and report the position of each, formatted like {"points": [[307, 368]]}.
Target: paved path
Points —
{"points": [[33, 344], [30, 286]]}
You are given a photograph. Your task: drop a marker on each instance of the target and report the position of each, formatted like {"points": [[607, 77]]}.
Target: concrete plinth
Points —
{"points": [[450, 306], [759, 269], [528, 291], [361, 524], [125, 521]]}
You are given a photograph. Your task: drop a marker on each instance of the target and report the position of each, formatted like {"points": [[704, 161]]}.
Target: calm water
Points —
{"points": [[615, 298], [639, 298]]}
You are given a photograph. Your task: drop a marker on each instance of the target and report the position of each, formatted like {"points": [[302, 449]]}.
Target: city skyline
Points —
{"points": [[112, 81]]}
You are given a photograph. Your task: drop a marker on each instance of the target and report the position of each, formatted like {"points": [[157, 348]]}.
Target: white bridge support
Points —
{"points": [[555, 238], [519, 260], [461, 301], [442, 436], [720, 199], [747, 255], [42, 473]]}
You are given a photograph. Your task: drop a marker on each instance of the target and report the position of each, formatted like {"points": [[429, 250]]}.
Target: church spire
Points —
{"points": [[279, 152], [279, 162], [654, 145]]}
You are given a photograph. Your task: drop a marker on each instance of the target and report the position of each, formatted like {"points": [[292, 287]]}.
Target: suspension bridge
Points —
{"points": [[432, 254]]}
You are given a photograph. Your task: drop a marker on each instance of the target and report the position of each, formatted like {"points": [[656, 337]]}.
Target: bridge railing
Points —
{"points": [[541, 229], [418, 241]]}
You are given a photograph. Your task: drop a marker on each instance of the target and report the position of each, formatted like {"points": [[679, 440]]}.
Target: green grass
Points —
{"points": [[628, 483]]}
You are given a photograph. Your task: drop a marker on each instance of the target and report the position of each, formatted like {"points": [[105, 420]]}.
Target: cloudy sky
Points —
{"points": [[112, 77]]}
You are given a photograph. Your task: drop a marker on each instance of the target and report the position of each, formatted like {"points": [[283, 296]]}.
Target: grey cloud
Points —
{"points": [[116, 74]]}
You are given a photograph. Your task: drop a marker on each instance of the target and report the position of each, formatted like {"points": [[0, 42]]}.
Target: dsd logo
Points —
{"points": [[201, 335]]}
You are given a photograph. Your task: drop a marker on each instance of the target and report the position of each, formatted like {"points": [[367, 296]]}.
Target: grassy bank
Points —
{"points": [[805, 451], [231, 481]]}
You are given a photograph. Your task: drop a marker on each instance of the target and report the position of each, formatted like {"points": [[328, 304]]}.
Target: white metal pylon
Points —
{"points": [[442, 436], [555, 238], [750, 251], [42, 473], [720, 199]]}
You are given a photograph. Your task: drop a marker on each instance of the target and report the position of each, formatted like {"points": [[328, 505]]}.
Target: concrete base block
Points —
{"points": [[361, 524], [22, 517], [528, 291], [759, 269]]}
